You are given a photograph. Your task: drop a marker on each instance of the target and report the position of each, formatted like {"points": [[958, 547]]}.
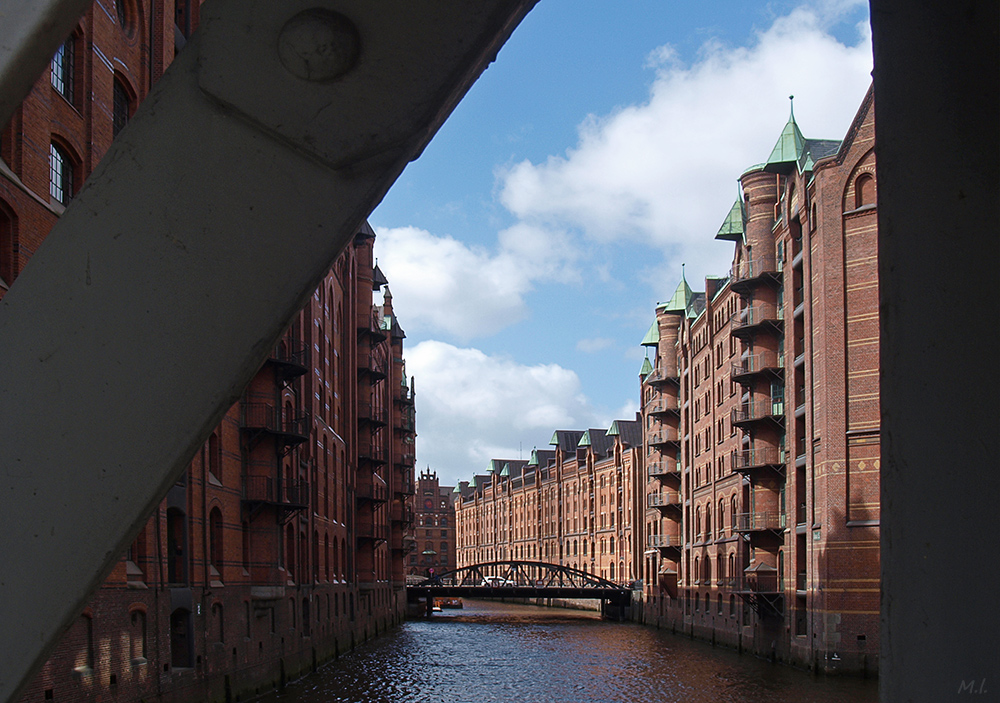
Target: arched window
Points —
{"points": [[214, 456], [63, 69], [697, 573], [61, 185], [137, 637], [864, 190], [122, 105], [218, 623], [245, 529], [215, 542]]}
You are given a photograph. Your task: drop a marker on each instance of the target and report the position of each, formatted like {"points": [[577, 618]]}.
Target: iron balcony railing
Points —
{"points": [[373, 453], [759, 410], [660, 375], [756, 363], [265, 416], [662, 468], [760, 521], [274, 491], [764, 582], [746, 459], [292, 357], [663, 499], [371, 531], [663, 541], [754, 268], [663, 405], [664, 435], [372, 413], [757, 314]]}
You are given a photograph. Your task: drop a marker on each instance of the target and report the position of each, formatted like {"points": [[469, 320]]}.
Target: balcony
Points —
{"points": [[663, 542], [371, 532], [370, 366], [755, 364], [402, 514], [665, 435], [372, 454], [368, 492], [288, 496], [748, 274], [405, 460], [762, 588], [406, 487], [663, 468], [265, 418], [765, 521], [372, 415], [290, 359], [754, 318], [663, 405], [748, 413], [664, 499], [662, 376], [742, 461], [372, 327]]}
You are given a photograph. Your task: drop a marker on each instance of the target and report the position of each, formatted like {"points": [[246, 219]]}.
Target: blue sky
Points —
{"points": [[528, 245]]}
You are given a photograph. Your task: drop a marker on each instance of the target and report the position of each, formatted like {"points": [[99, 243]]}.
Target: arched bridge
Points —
{"points": [[521, 579]]}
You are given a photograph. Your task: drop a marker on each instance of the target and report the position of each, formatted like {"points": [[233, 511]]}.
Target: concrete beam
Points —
{"points": [[937, 78], [164, 286]]}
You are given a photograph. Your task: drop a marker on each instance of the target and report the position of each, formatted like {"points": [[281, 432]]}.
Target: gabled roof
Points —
{"points": [[378, 278], [733, 228], [566, 439], [628, 431], [597, 440], [541, 457]]}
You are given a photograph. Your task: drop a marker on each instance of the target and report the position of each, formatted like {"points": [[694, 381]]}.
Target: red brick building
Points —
{"points": [[434, 529], [762, 419], [573, 505], [284, 542]]}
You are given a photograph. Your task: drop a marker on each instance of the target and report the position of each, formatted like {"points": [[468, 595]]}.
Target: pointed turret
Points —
{"points": [[791, 144], [733, 229]]}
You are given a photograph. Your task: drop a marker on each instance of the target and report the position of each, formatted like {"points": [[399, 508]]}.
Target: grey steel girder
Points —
{"points": [[163, 287]]}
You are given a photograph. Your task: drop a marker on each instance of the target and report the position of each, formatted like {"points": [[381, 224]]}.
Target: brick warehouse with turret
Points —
{"points": [[283, 544], [761, 412]]}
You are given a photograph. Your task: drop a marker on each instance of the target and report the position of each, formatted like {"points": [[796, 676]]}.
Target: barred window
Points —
{"points": [[121, 109], [63, 64], [60, 175]]}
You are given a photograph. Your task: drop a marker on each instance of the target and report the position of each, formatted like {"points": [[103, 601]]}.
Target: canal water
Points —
{"points": [[494, 651]]}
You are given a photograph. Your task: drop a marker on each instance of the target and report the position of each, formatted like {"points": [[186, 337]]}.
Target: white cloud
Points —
{"points": [[664, 172], [442, 284], [473, 407]]}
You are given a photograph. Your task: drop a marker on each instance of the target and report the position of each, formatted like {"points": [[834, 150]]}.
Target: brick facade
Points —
{"points": [[283, 544]]}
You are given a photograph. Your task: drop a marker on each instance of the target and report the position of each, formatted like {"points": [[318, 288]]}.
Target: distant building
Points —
{"points": [[761, 413], [573, 505], [434, 529], [283, 543]]}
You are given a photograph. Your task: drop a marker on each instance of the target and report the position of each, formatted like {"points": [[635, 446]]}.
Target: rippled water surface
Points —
{"points": [[504, 652]]}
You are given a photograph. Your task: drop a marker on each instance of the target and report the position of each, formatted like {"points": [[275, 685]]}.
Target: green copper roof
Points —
{"points": [[534, 458], [652, 337], [647, 368], [458, 489], [472, 483], [584, 440], [681, 298], [555, 438], [613, 431], [506, 470], [732, 229], [489, 467], [787, 152]]}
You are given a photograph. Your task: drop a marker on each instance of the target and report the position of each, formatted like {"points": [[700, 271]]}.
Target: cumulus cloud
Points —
{"points": [[473, 407], [444, 285], [664, 172]]}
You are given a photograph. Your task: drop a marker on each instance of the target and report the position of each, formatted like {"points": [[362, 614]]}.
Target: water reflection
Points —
{"points": [[503, 652]]}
